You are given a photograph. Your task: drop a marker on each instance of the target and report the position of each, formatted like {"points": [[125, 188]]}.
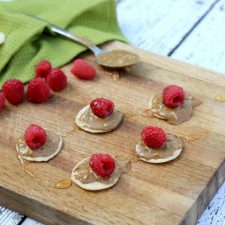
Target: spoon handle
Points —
{"points": [[71, 36]]}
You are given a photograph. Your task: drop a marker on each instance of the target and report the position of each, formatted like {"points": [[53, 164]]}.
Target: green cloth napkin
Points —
{"points": [[27, 43]]}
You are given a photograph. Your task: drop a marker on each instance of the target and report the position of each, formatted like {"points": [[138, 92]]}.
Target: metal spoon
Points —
{"points": [[106, 58]]}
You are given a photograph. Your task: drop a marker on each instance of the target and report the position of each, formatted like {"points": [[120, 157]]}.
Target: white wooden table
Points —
{"points": [[189, 30]]}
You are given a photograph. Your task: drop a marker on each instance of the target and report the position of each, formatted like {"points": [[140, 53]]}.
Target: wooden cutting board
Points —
{"points": [[173, 193]]}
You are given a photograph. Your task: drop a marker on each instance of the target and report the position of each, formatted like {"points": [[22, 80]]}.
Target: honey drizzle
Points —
{"points": [[134, 159], [130, 160], [115, 75], [192, 137], [145, 113], [58, 185], [129, 115]]}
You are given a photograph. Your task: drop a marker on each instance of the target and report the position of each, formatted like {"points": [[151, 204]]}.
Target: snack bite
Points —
{"points": [[158, 147], [99, 116], [100, 171], [39, 144], [174, 105]]}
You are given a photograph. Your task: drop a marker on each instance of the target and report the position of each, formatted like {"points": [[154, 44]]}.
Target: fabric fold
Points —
{"points": [[27, 41]]}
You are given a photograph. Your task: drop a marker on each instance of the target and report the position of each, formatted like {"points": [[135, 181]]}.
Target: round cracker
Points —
{"points": [[173, 116], [174, 154], [91, 130], [36, 155], [96, 185]]}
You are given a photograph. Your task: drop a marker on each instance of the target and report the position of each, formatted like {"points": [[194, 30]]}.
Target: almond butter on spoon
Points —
{"points": [[157, 146], [99, 116], [100, 171], [174, 106]]}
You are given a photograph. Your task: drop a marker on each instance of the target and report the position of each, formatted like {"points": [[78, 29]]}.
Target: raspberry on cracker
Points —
{"points": [[38, 144], [102, 164], [102, 107], [173, 96], [100, 171], [153, 137], [35, 136], [173, 105], [157, 146], [99, 116], [13, 90]]}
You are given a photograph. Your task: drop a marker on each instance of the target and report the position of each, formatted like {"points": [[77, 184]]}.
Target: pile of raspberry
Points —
{"points": [[46, 78], [38, 89]]}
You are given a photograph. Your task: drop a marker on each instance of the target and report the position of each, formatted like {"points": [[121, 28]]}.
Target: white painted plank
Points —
{"points": [[159, 25], [8, 217], [206, 44], [215, 212], [31, 222]]}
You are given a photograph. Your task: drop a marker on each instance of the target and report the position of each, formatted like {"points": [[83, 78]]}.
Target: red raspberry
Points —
{"points": [[173, 96], [102, 107], [2, 100], [57, 80], [102, 164], [153, 137], [14, 91], [83, 70], [38, 91], [35, 136], [43, 68]]}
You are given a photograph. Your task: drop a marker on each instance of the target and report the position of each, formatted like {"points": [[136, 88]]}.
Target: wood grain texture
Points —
{"points": [[149, 194], [205, 45]]}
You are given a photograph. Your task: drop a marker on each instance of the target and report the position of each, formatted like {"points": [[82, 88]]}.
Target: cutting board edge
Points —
{"points": [[10, 199], [192, 216]]}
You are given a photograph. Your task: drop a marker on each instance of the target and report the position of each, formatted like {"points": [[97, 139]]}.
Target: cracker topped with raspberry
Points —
{"points": [[38, 144], [99, 116], [100, 171], [158, 147], [174, 105]]}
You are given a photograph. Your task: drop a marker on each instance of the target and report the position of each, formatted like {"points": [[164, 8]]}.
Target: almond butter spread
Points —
{"points": [[45, 152], [85, 174], [173, 116], [170, 150], [88, 121]]}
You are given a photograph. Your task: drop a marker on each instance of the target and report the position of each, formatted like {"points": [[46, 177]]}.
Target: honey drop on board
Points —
{"points": [[63, 184], [220, 97], [191, 137]]}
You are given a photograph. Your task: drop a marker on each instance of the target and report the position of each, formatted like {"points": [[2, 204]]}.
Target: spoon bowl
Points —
{"points": [[110, 59]]}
